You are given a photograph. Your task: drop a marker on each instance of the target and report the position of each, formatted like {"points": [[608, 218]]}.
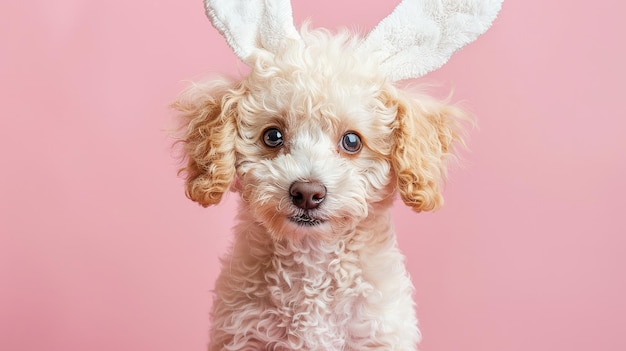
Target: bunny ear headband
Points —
{"points": [[418, 37]]}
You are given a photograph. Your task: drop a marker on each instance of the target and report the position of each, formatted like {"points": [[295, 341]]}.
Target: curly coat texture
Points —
{"points": [[329, 277]]}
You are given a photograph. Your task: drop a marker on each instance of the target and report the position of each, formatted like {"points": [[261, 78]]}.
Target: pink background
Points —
{"points": [[100, 249]]}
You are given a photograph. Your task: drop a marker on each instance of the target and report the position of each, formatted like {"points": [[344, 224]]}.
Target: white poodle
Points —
{"points": [[317, 140]]}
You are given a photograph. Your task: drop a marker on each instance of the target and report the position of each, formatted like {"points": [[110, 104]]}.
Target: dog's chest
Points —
{"points": [[315, 291]]}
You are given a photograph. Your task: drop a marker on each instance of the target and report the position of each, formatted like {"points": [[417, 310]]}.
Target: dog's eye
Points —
{"points": [[273, 137], [351, 143]]}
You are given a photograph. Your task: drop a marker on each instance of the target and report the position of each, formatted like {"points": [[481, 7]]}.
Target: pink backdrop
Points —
{"points": [[100, 250]]}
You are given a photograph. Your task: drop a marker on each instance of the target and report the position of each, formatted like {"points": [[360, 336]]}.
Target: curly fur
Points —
{"points": [[339, 284]]}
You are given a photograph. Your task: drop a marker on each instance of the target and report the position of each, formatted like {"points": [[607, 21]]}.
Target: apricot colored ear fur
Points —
{"points": [[208, 131], [425, 133]]}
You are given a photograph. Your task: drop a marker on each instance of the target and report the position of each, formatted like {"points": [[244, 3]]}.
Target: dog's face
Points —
{"points": [[314, 140], [313, 145]]}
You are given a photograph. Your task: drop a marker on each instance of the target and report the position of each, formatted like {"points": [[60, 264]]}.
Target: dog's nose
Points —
{"points": [[307, 195]]}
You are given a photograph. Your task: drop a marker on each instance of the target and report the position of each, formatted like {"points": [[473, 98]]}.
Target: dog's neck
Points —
{"points": [[368, 251]]}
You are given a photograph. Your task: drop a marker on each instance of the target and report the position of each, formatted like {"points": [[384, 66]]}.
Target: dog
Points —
{"points": [[318, 141]]}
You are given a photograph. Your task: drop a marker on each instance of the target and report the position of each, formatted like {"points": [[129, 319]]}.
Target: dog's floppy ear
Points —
{"points": [[424, 137], [208, 132]]}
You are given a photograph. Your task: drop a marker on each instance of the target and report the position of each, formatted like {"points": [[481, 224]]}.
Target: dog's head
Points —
{"points": [[316, 137]]}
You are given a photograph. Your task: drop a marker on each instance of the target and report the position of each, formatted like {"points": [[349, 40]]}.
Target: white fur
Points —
{"points": [[341, 284]]}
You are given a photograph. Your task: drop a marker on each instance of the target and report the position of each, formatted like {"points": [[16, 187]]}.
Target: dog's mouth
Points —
{"points": [[305, 220]]}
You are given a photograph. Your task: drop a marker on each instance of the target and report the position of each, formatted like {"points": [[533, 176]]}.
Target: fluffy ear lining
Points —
{"points": [[253, 25], [419, 36], [423, 139], [208, 132]]}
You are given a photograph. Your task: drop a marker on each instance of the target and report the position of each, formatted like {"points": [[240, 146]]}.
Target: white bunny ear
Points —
{"points": [[419, 36], [250, 25]]}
